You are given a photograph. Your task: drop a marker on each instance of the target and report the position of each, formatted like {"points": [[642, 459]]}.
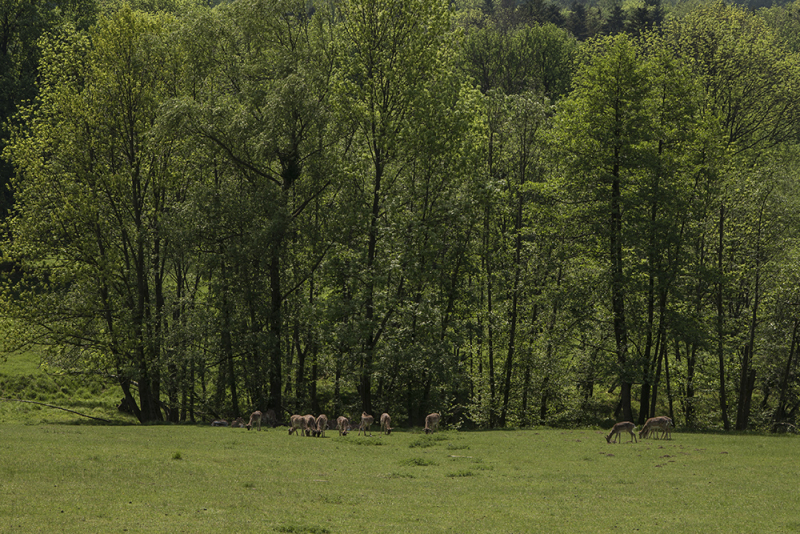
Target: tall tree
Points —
{"points": [[260, 107], [93, 188], [748, 81], [605, 130], [390, 49]]}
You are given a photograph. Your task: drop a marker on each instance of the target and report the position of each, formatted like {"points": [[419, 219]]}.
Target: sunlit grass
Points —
{"points": [[56, 478]]}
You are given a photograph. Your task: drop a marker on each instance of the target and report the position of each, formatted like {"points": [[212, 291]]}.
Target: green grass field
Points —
{"points": [[60, 472], [93, 478]]}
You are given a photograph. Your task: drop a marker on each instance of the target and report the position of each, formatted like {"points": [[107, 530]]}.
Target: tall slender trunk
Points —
{"points": [[780, 410], [513, 316], [368, 346], [275, 329], [748, 377], [648, 379], [723, 398], [669, 386], [618, 289], [691, 360], [226, 368], [660, 347]]}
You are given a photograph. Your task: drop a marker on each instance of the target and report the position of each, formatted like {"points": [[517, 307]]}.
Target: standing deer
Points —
{"points": [[343, 424], [366, 422], [297, 423], [255, 418], [322, 424], [386, 422], [432, 423], [625, 426], [662, 423]]}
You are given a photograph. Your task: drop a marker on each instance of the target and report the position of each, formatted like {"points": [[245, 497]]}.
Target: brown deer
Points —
{"points": [[386, 422], [238, 423], [297, 424], [343, 424], [322, 424], [311, 425], [619, 428], [255, 418], [432, 423], [366, 422], [662, 423]]}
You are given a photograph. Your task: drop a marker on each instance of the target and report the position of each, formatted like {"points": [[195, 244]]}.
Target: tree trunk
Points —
{"points": [[691, 359], [275, 327], [618, 289], [723, 398], [780, 410], [647, 379]]}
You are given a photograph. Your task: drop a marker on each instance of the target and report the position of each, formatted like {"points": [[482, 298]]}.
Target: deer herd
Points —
{"points": [[654, 424], [308, 425]]}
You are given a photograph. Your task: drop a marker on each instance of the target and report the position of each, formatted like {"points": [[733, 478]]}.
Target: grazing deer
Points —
{"points": [[322, 424], [432, 423], [311, 425], [386, 422], [297, 423], [366, 422], [255, 418], [238, 423], [662, 423], [343, 424], [625, 426]]}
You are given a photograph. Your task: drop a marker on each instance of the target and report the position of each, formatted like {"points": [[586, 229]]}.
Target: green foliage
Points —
{"points": [[406, 207]]}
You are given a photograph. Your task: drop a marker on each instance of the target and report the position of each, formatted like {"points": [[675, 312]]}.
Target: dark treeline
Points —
{"points": [[506, 213]]}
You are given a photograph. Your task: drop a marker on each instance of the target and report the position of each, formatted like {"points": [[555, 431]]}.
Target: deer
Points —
{"points": [[322, 424], [386, 422], [662, 423], [238, 423], [366, 422], [297, 423], [343, 424], [625, 426], [432, 423], [255, 418], [311, 425]]}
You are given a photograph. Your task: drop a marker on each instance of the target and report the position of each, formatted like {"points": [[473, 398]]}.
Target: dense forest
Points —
{"points": [[514, 213]]}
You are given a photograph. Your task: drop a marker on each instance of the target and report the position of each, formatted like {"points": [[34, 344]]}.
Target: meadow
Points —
{"points": [[60, 472], [195, 479]]}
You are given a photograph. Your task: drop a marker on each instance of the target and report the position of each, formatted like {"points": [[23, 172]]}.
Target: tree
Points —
{"points": [[604, 127], [22, 23], [260, 108], [94, 186], [390, 50], [749, 105]]}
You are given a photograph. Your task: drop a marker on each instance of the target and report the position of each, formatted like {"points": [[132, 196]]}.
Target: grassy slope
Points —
{"points": [[202, 479], [21, 377]]}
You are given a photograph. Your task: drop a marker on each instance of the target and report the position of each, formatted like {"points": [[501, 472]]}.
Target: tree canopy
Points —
{"points": [[510, 214]]}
